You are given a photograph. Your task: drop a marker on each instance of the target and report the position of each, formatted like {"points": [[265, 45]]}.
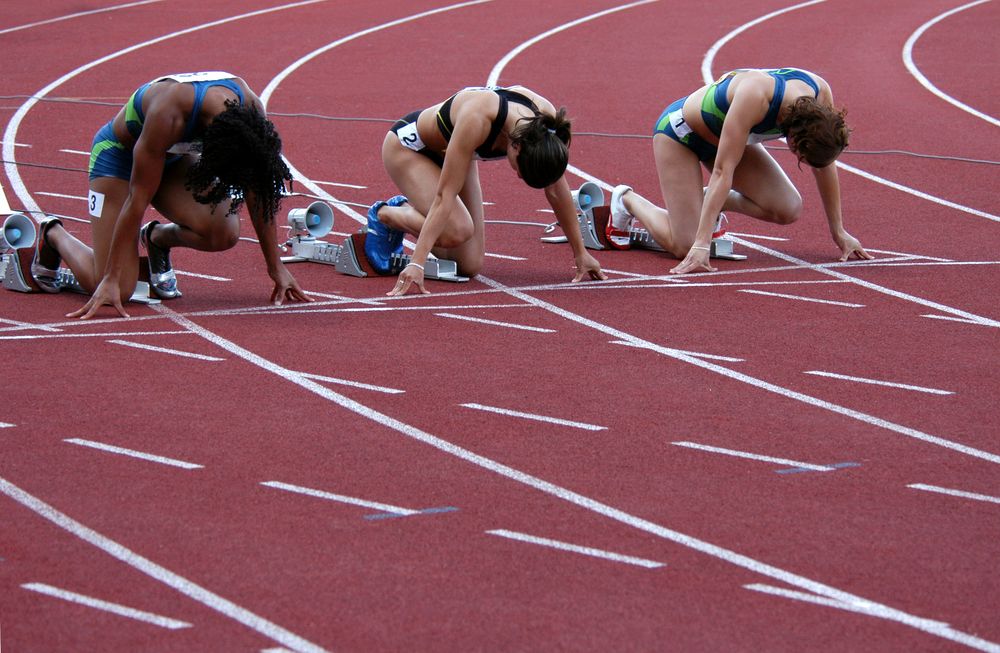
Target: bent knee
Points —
{"points": [[456, 234], [788, 212], [223, 238]]}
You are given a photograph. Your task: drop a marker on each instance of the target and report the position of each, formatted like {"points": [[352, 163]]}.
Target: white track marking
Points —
{"points": [[920, 256], [750, 380], [803, 299], [537, 418], [80, 152], [164, 350], [29, 325], [890, 384], [984, 321], [494, 75], [926, 83], [714, 357], [876, 609], [506, 325], [62, 196], [753, 456], [5, 425], [128, 334], [576, 548], [210, 277], [10, 134], [339, 184], [505, 257], [106, 606], [77, 15], [954, 493], [320, 494], [861, 607], [950, 318], [146, 566], [353, 384], [759, 237], [110, 448]]}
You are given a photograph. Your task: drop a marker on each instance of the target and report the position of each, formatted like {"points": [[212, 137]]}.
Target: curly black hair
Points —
{"points": [[240, 154], [543, 148]]}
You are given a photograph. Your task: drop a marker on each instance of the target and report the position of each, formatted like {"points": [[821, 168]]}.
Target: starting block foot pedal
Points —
{"points": [[15, 274]]}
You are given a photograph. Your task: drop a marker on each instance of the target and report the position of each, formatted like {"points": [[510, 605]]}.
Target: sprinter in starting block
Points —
{"points": [[722, 126], [195, 146], [432, 157]]}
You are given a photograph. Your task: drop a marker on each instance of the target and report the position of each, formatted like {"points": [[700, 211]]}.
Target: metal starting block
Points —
{"points": [[308, 225], [15, 274], [594, 216]]}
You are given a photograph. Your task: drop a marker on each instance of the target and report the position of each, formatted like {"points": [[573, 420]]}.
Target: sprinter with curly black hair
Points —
{"points": [[432, 157], [196, 147]]}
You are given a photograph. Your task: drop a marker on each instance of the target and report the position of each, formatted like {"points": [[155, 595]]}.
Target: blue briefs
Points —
{"points": [[108, 157], [704, 150]]}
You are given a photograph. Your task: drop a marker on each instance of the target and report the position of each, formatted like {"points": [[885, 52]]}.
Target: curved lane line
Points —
{"points": [[10, 134], [76, 15], [926, 83]]}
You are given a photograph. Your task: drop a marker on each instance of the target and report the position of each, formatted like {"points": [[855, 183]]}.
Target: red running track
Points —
{"points": [[437, 525]]}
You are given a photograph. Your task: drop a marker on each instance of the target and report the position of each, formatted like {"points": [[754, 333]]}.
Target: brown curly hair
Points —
{"points": [[816, 134]]}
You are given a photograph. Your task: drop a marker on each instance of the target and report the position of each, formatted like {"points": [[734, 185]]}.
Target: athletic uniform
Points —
{"points": [[715, 106], [406, 128], [110, 158]]}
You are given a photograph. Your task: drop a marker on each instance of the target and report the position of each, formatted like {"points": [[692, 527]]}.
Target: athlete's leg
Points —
{"points": [[195, 225], [762, 190]]}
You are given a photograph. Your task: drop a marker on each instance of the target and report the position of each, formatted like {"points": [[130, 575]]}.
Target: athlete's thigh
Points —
{"points": [[114, 192], [681, 183], [759, 178], [414, 174], [177, 204]]}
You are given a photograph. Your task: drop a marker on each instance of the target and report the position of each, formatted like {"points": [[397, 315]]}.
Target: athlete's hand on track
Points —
{"points": [[587, 265], [849, 245], [107, 293], [286, 287], [696, 259], [411, 274]]}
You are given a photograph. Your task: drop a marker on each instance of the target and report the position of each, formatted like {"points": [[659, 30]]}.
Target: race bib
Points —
{"points": [[95, 203], [409, 137], [681, 128]]}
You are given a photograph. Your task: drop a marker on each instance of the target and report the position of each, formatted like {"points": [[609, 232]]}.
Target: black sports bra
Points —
{"points": [[485, 151]]}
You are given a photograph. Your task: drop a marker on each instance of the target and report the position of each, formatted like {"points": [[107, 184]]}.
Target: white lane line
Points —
{"points": [[753, 456], [182, 273], [881, 611], [951, 319], [114, 608], [162, 574], [728, 359], [978, 319], [164, 350], [505, 257], [320, 494], [759, 237], [954, 493], [508, 325], [77, 15], [339, 184], [110, 448], [62, 195], [575, 548], [353, 384], [507, 58], [5, 425], [926, 83], [889, 384], [130, 334], [80, 152], [29, 325], [802, 299], [537, 418], [920, 256], [859, 606]]}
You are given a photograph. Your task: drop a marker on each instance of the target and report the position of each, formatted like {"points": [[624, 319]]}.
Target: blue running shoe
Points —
{"points": [[382, 241]]}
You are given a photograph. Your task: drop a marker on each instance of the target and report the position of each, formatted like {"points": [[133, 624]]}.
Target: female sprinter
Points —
{"points": [[195, 146], [722, 125], [431, 155]]}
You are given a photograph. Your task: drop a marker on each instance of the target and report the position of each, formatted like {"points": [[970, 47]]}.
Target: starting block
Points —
{"points": [[15, 274], [594, 216], [308, 225]]}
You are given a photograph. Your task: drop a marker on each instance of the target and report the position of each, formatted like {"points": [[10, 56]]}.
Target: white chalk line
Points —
{"points": [[955, 493], [535, 417], [753, 456], [506, 325], [889, 384], [803, 299], [576, 548], [110, 448], [340, 498], [107, 606], [165, 350]]}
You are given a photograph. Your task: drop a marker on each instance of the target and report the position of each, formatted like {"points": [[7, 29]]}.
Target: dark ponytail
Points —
{"points": [[543, 147]]}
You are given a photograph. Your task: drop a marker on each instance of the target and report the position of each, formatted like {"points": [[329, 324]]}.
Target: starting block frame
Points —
{"points": [[15, 274], [349, 258], [593, 226]]}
